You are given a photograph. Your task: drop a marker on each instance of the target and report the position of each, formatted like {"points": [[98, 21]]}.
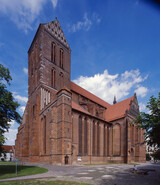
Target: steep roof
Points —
{"points": [[8, 148], [113, 112], [118, 110], [76, 88], [55, 29]]}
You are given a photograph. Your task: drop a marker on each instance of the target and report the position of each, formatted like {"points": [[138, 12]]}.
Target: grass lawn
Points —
{"points": [[9, 171], [47, 182], [7, 163]]}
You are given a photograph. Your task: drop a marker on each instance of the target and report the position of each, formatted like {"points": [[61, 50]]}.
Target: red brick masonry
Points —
{"points": [[65, 124]]}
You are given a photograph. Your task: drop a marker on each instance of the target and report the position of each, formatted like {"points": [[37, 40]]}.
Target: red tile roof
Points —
{"points": [[118, 110], [76, 88], [113, 112], [8, 148], [79, 108]]}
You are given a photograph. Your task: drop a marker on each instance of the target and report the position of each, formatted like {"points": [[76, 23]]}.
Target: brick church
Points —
{"points": [[64, 123]]}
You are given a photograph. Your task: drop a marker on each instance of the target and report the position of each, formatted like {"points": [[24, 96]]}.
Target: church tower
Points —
{"points": [[49, 60]]}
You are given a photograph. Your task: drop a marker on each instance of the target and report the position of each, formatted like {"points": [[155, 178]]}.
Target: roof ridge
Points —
{"points": [[124, 100], [102, 102]]}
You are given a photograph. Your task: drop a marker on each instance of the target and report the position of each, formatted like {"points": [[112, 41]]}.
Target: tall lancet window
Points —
{"points": [[53, 78], [61, 58], [98, 140], [44, 135], [80, 135], [61, 80], [85, 137], [93, 139], [53, 52]]}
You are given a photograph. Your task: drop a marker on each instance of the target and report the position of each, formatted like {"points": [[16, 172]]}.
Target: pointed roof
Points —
{"points": [[55, 29], [119, 109], [113, 112], [8, 148], [76, 88], [114, 101]]}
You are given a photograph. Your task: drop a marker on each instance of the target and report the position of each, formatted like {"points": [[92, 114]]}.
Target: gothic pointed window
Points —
{"points": [[85, 137], [104, 151], [53, 78], [53, 52], [44, 135], [93, 139], [98, 145], [116, 140], [80, 135], [61, 80], [61, 58]]}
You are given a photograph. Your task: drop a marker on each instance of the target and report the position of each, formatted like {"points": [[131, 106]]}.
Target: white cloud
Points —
{"points": [[21, 109], [106, 86], [81, 25], [25, 70], [142, 107], [141, 91], [23, 12], [54, 2], [85, 24], [11, 134], [22, 99]]}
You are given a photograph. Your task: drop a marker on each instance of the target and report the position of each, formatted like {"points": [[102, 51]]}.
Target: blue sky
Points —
{"points": [[115, 45]]}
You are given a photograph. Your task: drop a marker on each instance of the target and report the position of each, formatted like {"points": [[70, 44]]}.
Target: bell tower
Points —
{"points": [[49, 96]]}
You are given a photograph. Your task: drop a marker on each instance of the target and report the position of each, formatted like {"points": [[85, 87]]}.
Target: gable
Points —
{"points": [[55, 29], [134, 107]]}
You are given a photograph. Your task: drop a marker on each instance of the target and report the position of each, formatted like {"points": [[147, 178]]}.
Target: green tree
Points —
{"points": [[151, 121], [8, 105]]}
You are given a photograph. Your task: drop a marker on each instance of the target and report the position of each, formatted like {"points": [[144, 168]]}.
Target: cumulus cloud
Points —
{"points": [[86, 23], [21, 109], [22, 99], [11, 134], [23, 12], [142, 107], [25, 70], [141, 91], [106, 86]]}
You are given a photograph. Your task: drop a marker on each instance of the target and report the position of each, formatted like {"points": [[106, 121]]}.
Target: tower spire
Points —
{"points": [[114, 101]]}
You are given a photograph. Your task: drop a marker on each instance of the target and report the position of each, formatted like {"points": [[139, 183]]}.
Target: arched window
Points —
{"points": [[116, 140], [34, 111], [53, 52], [132, 134], [61, 58], [44, 135], [93, 139], [61, 80], [80, 135], [98, 145], [85, 137], [97, 113], [105, 143], [136, 135], [53, 78]]}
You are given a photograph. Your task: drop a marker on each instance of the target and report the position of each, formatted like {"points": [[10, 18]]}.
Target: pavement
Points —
{"points": [[111, 174]]}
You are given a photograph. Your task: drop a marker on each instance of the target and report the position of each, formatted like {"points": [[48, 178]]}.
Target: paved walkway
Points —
{"points": [[114, 174]]}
